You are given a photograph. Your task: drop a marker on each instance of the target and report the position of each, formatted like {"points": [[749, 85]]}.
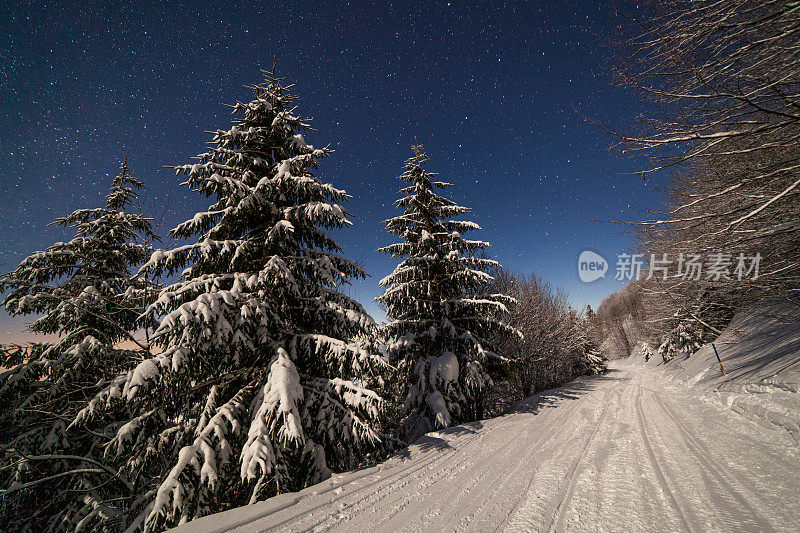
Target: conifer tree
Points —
{"points": [[439, 318], [590, 359], [695, 323], [646, 351], [258, 389], [84, 293], [685, 338]]}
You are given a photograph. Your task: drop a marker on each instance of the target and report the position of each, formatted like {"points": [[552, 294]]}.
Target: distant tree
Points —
{"points": [[622, 319], [440, 317], [684, 339], [693, 324], [258, 389], [581, 341], [52, 477], [647, 352]]}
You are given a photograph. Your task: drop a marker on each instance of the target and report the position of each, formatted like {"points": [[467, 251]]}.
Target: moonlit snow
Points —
{"points": [[644, 447]]}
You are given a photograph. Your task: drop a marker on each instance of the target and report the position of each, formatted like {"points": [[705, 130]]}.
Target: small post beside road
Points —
{"points": [[718, 359]]}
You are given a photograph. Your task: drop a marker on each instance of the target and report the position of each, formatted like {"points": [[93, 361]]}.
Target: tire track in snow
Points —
{"points": [[459, 489], [301, 514], [556, 430], [727, 488], [461, 480], [390, 493], [456, 478], [560, 513], [528, 513], [534, 511], [655, 463], [403, 500]]}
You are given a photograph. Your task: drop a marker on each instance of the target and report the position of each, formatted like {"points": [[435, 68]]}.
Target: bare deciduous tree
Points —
{"points": [[555, 342], [726, 76]]}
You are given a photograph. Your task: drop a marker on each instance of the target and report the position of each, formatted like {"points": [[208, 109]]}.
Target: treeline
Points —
{"points": [[725, 79], [256, 374], [558, 344]]}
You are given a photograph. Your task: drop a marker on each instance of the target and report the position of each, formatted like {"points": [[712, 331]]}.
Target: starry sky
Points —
{"points": [[494, 91]]}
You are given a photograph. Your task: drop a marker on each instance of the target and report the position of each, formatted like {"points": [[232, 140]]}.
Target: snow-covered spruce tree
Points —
{"points": [[83, 290], [580, 347], [439, 319], [257, 390], [594, 362], [591, 360], [685, 338], [646, 351], [695, 323]]}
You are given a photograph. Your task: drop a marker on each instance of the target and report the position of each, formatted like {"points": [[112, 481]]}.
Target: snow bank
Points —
{"points": [[760, 351]]}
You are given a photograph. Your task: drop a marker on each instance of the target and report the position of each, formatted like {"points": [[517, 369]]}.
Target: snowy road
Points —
{"points": [[627, 451]]}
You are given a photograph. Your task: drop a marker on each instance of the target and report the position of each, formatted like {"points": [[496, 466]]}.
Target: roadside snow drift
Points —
{"points": [[760, 351]]}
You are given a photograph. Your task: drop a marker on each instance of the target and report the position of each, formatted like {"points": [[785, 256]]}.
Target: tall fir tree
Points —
{"points": [[259, 387], [439, 318], [84, 293]]}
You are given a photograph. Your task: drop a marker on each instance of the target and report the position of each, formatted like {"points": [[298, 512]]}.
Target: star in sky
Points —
{"points": [[490, 89]]}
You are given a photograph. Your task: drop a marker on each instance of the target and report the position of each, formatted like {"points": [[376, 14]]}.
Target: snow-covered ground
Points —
{"points": [[631, 450], [760, 351]]}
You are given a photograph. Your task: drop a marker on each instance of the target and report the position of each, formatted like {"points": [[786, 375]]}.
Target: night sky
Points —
{"points": [[491, 91]]}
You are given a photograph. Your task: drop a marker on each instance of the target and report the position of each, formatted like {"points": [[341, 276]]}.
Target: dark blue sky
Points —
{"points": [[489, 89]]}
